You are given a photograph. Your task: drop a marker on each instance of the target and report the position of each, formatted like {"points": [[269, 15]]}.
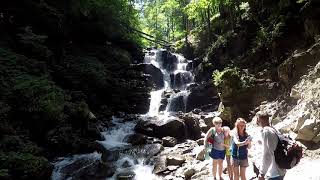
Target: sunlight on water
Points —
{"points": [[155, 102], [114, 137], [144, 172]]}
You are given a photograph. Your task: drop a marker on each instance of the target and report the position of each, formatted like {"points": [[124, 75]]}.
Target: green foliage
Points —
{"points": [[231, 81], [263, 37], [18, 144], [27, 90], [302, 1], [219, 77], [84, 73], [24, 165], [113, 17], [78, 114], [40, 98], [164, 19], [4, 173]]}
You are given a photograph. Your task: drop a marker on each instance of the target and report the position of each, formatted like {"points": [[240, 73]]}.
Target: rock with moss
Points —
{"points": [[39, 103], [21, 144], [184, 47], [231, 82], [25, 165], [240, 91]]}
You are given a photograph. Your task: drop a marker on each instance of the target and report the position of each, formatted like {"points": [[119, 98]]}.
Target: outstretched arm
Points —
{"points": [[238, 142]]}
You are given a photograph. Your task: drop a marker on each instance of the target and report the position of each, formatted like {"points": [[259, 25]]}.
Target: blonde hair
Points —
{"points": [[238, 121], [216, 120]]}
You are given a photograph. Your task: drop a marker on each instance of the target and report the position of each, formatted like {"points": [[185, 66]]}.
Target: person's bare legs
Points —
{"points": [[220, 167], [229, 167], [243, 173], [236, 172], [214, 168]]}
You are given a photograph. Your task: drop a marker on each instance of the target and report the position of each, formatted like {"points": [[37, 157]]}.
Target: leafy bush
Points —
{"points": [[232, 80], [40, 100], [24, 165]]}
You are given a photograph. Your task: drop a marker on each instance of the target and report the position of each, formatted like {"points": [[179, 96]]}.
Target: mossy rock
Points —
{"points": [[231, 82], [78, 113], [19, 144], [25, 165], [39, 103]]}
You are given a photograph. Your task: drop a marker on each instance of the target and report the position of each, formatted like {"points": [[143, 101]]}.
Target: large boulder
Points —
{"points": [[303, 117], [178, 102], [175, 160], [173, 127], [136, 139], [202, 95], [192, 124], [168, 60], [146, 151], [156, 74], [87, 168], [169, 141], [308, 130], [298, 64], [240, 91], [180, 79], [160, 165]]}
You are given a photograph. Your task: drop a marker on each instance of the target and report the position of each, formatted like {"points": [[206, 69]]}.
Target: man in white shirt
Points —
{"points": [[269, 168]]}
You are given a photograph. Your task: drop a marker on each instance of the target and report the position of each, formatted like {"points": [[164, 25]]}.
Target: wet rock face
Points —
{"points": [[87, 169], [202, 95], [174, 128], [169, 61], [177, 104], [181, 78], [192, 125], [128, 175], [186, 126], [156, 74], [136, 139]]}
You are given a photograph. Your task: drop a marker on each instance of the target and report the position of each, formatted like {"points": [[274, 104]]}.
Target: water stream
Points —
{"points": [[176, 79]]}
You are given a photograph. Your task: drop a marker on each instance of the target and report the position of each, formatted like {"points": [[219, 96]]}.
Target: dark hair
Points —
{"points": [[263, 115]]}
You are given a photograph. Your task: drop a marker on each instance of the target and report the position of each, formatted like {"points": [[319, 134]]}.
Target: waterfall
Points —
{"points": [[176, 79]]}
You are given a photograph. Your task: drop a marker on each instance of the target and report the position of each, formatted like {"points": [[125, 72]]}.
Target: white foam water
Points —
{"points": [[114, 137]]}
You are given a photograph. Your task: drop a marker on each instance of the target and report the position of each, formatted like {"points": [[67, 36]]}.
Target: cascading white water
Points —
{"points": [[115, 136], [176, 81], [154, 58], [181, 80], [114, 139]]}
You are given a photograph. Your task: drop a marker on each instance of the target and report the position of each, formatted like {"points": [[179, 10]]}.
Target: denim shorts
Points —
{"points": [[217, 154], [239, 162], [277, 178]]}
